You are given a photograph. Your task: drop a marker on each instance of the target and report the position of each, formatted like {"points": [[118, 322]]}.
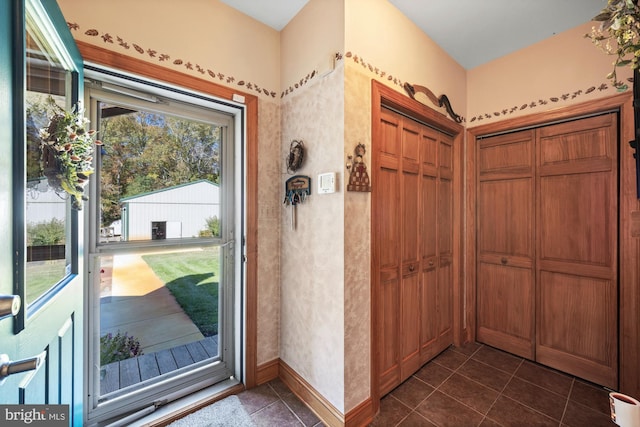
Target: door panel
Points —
{"points": [[575, 213], [410, 293], [505, 307], [389, 333], [388, 231], [577, 248], [49, 323], [410, 321], [505, 293]]}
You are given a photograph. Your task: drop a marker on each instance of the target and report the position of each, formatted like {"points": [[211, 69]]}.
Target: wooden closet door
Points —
{"points": [[436, 240], [577, 248], [410, 284], [444, 298], [413, 257], [387, 264], [505, 243], [429, 329]]}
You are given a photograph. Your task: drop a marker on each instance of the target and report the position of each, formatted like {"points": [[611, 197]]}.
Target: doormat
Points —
{"points": [[227, 412]]}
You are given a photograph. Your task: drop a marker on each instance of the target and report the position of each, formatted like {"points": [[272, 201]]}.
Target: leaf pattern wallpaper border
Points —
{"points": [[251, 86]]}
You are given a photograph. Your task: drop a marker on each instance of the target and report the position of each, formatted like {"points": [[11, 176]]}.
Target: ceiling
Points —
{"points": [[473, 32]]}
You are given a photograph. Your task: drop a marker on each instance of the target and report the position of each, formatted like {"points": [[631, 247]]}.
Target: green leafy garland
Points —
{"points": [[620, 22], [67, 151]]}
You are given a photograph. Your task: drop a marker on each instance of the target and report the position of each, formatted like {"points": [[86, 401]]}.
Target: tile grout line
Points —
{"points": [[566, 404]]}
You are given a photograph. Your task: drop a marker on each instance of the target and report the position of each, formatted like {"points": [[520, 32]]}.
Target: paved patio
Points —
{"points": [[134, 300]]}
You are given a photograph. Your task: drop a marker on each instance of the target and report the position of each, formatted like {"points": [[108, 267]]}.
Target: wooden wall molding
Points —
{"points": [[360, 416], [311, 397], [117, 61], [629, 241], [267, 371]]}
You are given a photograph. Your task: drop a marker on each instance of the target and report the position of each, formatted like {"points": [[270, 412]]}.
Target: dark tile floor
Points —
{"points": [[475, 385], [274, 405]]}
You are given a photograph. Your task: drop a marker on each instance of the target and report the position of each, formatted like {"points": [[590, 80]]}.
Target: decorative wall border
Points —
{"points": [[303, 81], [486, 116], [382, 74], [248, 85], [542, 102], [154, 54], [165, 58]]}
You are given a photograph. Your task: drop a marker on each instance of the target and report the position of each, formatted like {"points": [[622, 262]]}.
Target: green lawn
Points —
{"points": [[42, 275], [192, 277]]}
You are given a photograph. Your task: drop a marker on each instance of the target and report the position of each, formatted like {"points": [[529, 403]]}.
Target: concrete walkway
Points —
{"points": [[134, 300]]}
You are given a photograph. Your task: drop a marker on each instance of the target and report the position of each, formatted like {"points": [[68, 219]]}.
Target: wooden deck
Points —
{"points": [[128, 372]]}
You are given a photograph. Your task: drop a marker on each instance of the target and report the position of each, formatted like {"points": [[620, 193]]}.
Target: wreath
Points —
{"points": [[67, 152], [296, 156]]}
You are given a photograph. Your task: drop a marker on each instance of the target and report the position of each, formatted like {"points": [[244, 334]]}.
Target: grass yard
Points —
{"points": [[193, 278], [41, 276]]}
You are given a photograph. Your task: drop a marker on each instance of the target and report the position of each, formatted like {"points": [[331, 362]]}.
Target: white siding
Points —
{"points": [[44, 205], [184, 209]]}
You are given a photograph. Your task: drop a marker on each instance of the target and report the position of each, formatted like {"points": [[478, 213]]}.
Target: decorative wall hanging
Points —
{"points": [[442, 101], [67, 152], [295, 156], [297, 188], [359, 178]]}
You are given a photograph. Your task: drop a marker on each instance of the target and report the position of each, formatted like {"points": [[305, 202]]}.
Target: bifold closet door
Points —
{"points": [[387, 260], [505, 243], [547, 236], [577, 284], [413, 261], [436, 242]]}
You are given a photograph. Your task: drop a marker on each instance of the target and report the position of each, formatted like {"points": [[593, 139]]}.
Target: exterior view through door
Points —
{"points": [[161, 247]]}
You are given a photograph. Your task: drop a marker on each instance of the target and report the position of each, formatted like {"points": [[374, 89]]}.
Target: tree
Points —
{"points": [[213, 225], [46, 233], [145, 152]]}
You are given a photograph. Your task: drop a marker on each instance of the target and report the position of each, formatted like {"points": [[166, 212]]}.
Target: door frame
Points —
{"points": [[110, 59], [628, 219], [383, 96]]}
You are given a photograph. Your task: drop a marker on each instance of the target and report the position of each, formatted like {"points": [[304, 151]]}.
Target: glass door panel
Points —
{"points": [[163, 251], [158, 314]]}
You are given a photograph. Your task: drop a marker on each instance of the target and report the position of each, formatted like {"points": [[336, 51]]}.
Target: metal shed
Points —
{"points": [[175, 212]]}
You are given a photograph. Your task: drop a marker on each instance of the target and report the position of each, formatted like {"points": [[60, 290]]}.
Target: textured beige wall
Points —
{"points": [[310, 40], [395, 50], [562, 70], [312, 255], [269, 202], [357, 246]]}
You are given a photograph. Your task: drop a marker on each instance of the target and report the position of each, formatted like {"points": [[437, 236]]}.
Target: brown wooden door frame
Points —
{"points": [[384, 96], [106, 57], [628, 216]]}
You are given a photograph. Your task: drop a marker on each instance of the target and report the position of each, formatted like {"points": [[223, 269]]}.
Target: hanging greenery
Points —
{"points": [[619, 35], [67, 151]]}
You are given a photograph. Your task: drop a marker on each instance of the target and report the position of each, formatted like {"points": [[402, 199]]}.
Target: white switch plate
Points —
{"points": [[327, 183]]}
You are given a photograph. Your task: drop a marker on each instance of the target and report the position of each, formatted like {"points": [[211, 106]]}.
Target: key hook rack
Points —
{"points": [[297, 188]]}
